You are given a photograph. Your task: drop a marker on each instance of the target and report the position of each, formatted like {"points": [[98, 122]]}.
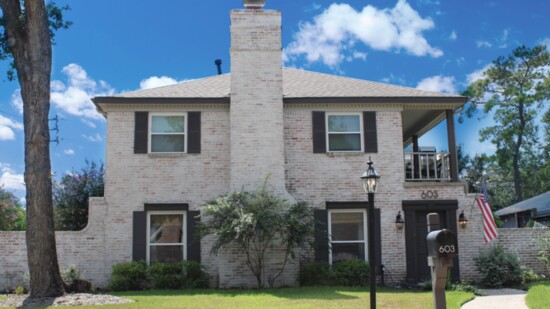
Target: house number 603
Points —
{"points": [[447, 249], [429, 194]]}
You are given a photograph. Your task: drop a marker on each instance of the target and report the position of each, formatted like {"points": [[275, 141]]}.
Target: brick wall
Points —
{"points": [[85, 249], [523, 242]]}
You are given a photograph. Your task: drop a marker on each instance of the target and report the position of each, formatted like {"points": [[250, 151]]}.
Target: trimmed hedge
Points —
{"points": [[346, 273], [132, 276]]}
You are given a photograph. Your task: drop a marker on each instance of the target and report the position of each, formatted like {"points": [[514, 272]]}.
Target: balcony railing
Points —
{"points": [[427, 166]]}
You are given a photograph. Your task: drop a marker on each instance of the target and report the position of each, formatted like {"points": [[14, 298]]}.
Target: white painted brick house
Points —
{"points": [[172, 148]]}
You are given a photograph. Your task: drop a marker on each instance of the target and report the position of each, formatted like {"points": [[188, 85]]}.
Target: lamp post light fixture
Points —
{"points": [[399, 222], [462, 221], [370, 183]]}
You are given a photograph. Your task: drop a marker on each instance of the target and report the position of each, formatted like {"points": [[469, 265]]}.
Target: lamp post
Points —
{"points": [[370, 183]]}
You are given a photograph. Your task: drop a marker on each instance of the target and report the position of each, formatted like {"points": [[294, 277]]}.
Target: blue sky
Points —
{"points": [[122, 45]]}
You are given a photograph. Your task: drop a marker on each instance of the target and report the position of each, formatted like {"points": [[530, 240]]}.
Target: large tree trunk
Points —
{"points": [[29, 41], [517, 152]]}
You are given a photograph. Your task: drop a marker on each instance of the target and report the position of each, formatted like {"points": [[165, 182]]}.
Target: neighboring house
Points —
{"points": [[535, 209], [171, 149]]}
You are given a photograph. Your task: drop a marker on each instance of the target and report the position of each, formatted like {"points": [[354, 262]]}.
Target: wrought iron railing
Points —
{"points": [[427, 166]]}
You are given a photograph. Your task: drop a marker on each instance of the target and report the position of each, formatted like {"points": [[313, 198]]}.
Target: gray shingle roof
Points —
{"points": [[296, 84]]}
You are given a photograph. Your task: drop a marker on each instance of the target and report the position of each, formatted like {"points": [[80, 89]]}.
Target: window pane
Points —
{"points": [[349, 123], [166, 229], [168, 124], [347, 226], [344, 142], [166, 254], [343, 252], [168, 143]]}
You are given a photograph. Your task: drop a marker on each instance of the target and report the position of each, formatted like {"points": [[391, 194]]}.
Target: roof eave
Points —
{"points": [[459, 100]]}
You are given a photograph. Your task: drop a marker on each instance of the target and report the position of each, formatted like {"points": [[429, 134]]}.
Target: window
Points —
{"points": [[344, 132], [166, 236], [168, 132], [347, 235]]}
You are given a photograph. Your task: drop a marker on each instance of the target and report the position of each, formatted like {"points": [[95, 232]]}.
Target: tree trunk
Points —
{"points": [[517, 153], [29, 42]]}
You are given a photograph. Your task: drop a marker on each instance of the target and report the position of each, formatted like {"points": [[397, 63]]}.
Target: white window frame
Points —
{"points": [[360, 132], [150, 133], [184, 232], [330, 241]]}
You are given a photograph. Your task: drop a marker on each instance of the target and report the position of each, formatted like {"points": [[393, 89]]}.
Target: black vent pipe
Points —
{"points": [[218, 63]]}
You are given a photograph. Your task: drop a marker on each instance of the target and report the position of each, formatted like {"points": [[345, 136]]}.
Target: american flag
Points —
{"points": [[489, 226]]}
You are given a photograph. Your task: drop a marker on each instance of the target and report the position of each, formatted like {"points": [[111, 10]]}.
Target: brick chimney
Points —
{"points": [[256, 113]]}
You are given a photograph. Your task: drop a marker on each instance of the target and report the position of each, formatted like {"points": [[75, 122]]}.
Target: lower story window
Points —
{"points": [[347, 234], [166, 236]]}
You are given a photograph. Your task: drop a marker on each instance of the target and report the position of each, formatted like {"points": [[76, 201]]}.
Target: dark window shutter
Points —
{"points": [[141, 131], [193, 239], [369, 132], [194, 132], [377, 239], [139, 231], [319, 132], [321, 235]]}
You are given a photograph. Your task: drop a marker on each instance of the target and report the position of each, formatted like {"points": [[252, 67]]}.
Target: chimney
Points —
{"points": [[256, 112]]}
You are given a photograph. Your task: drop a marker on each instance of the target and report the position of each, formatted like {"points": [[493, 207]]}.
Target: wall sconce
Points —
{"points": [[399, 222], [462, 221]]}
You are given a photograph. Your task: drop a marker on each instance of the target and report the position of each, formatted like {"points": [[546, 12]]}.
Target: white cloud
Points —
{"points": [[6, 128], [9, 179], [155, 81], [438, 83], [17, 101], [360, 55], [88, 123], [73, 97], [93, 138], [69, 152], [476, 75], [481, 43], [453, 36], [502, 40], [331, 35]]}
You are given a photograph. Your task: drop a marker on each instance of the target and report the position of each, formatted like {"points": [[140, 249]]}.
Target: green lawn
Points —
{"points": [[538, 295], [315, 298]]}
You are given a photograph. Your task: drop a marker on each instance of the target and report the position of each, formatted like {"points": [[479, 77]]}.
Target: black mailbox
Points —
{"points": [[442, 243]]}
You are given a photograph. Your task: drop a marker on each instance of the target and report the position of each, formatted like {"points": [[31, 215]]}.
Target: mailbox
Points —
{"points": [[442, 243]]}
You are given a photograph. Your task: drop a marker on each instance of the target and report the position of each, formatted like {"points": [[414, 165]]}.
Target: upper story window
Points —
{"points": [[168, 133], [344, 132]]}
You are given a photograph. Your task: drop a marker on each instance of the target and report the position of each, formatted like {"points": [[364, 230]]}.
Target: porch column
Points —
{"points": [[415, 157], [452, 144]]}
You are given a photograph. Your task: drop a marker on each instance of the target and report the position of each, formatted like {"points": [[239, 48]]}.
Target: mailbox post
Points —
{"points": [[442, 248]]}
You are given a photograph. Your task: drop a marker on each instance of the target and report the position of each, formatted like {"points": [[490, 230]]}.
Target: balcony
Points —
{"points": [[427, 166]]}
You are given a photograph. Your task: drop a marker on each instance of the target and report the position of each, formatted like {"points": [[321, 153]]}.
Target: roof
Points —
{"points": [[540, 203], [297, 84]]}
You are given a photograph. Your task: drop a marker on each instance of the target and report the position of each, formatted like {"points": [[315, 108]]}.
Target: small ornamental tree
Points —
{"points": [[12, 213], [254, 221], [72, 193]]}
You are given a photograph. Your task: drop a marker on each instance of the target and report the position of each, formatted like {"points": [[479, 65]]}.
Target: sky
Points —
{"points": [[125, 45]]}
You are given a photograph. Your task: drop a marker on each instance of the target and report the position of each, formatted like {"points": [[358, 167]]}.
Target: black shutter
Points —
{"points": [[140, 132], [377, 240], [321, 235], [194, 132], [319, 132], [193, 238], [369, 132], [139, 241]]}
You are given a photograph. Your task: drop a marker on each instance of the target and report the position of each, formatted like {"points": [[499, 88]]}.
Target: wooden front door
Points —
{"points": [[416, 230]]}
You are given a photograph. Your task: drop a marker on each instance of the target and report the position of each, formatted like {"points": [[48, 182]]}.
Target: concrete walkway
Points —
{"points": [[498, 299]]}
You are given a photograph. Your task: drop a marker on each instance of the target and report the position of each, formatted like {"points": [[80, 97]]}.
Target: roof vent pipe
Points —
{"points": [[218, 63], [254, 4]]}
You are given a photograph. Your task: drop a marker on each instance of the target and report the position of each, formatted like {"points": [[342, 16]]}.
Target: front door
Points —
{"points": [[416, 230]]}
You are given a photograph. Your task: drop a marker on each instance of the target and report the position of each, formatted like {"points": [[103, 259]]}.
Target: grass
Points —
{"points": [[3, 297], [309, 297], [537, 296]]}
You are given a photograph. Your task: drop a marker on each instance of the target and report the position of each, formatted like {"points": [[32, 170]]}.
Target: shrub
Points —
{"points": [[544, 253], [128, 276], [350, 273], [498, 268], [195, 276], [19, 290], [185, 274], [315, 273], [529, 276], [70, 274]]}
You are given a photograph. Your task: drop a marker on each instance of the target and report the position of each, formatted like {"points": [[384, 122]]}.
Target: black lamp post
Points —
{"points": [[370, 183]]}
